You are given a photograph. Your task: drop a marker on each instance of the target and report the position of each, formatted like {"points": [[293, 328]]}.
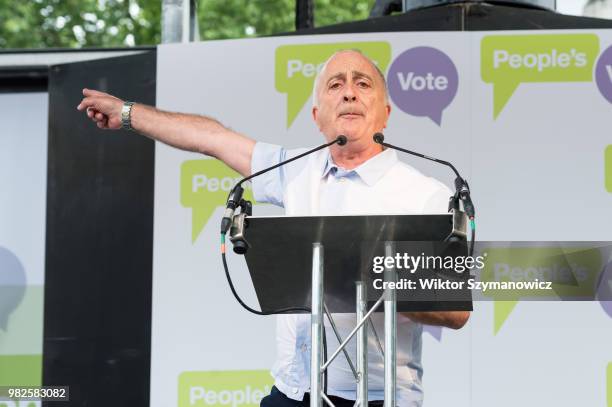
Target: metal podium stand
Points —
{"points": [[324, 263]]}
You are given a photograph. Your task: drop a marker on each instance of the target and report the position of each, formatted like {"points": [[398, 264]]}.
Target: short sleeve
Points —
{"points": [[268, 187]]}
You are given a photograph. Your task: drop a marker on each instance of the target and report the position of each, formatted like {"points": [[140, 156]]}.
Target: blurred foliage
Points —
{"points": [[120, 23]]}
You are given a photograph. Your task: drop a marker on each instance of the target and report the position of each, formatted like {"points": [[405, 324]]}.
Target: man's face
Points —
{"points": [[351, 99]]}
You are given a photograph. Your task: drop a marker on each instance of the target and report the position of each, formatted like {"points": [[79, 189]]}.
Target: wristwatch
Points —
{"points": [[126, 115]]}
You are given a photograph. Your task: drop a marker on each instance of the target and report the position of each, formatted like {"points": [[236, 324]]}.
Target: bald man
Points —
{"points": [[349, 98]]}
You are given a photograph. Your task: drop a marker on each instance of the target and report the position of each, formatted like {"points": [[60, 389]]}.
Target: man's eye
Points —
{"points": [[334, 85], [363, 84]]}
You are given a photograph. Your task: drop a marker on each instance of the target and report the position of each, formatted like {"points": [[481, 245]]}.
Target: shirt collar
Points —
{"points": [[370, 171]]}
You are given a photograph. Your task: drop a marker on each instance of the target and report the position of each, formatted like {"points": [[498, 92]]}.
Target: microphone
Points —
{"points": [[235, 195], [462, 189]]}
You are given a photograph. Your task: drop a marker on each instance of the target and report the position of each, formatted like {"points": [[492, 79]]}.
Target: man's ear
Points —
{"points": [[315, 112], [388, 110]]}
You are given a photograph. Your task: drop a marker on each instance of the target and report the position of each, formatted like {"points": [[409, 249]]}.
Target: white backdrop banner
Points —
{"points": [[524, 116], [23, 183]]}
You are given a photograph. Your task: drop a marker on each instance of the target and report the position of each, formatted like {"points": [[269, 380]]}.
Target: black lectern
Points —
{"points": [[289, 269]]}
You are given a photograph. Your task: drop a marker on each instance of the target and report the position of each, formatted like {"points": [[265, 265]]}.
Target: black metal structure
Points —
{"points": [[304, 14], [24, 79], [383, 8], [466, 16], [99, 244], [34, 76]]}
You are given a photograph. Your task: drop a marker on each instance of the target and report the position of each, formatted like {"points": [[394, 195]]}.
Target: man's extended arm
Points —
{"points": [[184, 131], [449, 319]]}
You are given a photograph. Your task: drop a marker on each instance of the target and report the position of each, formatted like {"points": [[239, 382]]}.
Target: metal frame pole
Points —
{"points": [[179, 21], [316, 327], [362, 346], [390, 274], [340, 340], [353, 332]]}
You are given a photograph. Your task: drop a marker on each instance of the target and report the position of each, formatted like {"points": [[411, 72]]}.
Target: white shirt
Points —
{"points": [[314, 185]]}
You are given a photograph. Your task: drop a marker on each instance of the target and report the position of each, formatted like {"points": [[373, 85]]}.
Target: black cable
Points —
{"points": [[279, 311], [473, 240], [254, 311]]}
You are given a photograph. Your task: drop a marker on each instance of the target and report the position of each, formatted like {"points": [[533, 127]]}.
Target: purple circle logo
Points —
{"points": [[422, 82], [603, 74]]}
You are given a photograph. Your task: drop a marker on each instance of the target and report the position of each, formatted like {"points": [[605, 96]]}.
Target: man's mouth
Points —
{"points": [[350, 115]]}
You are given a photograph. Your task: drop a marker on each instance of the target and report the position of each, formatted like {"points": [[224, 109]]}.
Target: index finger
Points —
{"points": [[92, 92], [85, 103]]}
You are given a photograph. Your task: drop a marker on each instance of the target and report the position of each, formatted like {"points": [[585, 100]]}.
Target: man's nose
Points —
{"points": [[349, 94]]}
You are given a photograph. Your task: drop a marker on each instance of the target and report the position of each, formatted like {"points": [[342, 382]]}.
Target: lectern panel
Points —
{"points": [[280, 259]]}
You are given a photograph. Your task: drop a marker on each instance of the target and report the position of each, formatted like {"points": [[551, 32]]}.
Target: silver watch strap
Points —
{"points": [[126, 115]]}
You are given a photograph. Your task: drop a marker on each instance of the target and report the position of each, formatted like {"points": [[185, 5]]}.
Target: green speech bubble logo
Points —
{"points": [[572, 271], [240, 388], [608, 168], [205, 185], [509, 60], [297, 65]]}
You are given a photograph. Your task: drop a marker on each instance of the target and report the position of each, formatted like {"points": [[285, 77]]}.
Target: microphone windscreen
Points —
{"points": [[379, 138], [341, 140]]}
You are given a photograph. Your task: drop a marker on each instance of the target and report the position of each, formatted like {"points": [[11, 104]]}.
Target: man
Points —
{"points": [[349, 98]]}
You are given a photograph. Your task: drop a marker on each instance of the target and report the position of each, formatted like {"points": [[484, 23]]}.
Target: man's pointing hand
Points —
{"points": [[189, 132], [102, 108]]}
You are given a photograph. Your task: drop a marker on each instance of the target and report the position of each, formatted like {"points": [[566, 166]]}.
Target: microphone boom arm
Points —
{"points": [[461, 186], [235, 194]]}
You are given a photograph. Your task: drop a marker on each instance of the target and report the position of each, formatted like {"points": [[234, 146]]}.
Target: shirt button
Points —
{"points": [[343, 179], [295, 390]]}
